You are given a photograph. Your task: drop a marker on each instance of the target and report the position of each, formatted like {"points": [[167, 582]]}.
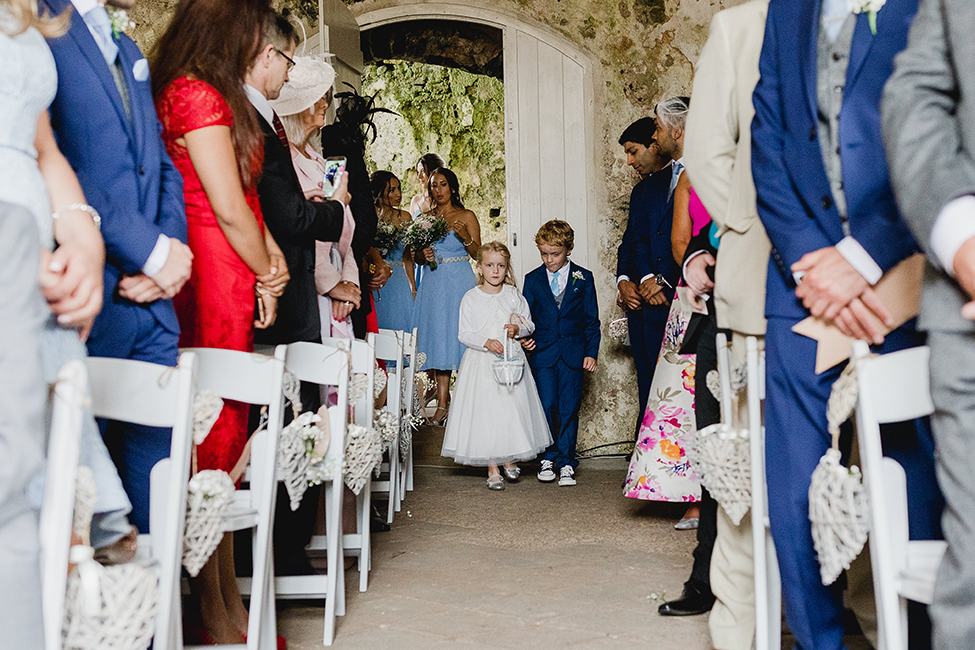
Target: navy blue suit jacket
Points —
{"points": [[645, 248], [122, 165], [571, 332], [795, 202]]}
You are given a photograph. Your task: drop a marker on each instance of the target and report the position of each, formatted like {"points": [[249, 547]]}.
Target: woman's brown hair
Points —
{"points": [[24, 15], [216, 41]]}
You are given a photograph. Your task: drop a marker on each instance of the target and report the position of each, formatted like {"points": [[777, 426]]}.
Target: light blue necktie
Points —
{"points": [[678, 168], [555, 283], [100, 23]]}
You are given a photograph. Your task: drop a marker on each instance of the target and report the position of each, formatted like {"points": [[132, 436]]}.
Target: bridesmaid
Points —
{"points": [[211, 132], [436, 312], [428, 162], [394, 302]]}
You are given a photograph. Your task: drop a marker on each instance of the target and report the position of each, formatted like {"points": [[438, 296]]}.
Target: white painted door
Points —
{"points": [[549, 146], [339, 37]]}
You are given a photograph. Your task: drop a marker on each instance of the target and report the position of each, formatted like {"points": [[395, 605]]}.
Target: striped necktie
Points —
{"points": [[279, 130]]}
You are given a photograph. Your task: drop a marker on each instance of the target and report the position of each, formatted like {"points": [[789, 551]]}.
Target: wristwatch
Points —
{"points": [[661, 280]]}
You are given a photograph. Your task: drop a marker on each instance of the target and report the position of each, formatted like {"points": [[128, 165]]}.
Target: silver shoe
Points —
{"points": [[690, 523], [495, 485], [513, 473]]}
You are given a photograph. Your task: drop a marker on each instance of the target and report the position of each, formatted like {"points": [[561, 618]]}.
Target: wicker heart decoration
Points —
{"points": [[210, 493], [293, 458], [839, 515], [721, 457], [109, 607], [363, 452]]}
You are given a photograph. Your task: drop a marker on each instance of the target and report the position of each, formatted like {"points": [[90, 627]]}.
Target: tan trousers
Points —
{"points": [[732, 619]]}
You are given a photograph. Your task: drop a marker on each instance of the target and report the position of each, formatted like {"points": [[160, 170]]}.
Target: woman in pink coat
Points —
{"points": [[301, 107]]}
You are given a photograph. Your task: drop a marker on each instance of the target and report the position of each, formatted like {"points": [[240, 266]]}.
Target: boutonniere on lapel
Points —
{"points": [[869, 6], [576, 275], [120, 20]]}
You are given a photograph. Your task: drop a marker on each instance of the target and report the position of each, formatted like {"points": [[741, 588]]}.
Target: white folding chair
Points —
{"points": [[326, 366], [893, 388], [358, 543], [768, 584], [408, 340], [392, 486], [63, 451], [257, 380], [153, 395]]}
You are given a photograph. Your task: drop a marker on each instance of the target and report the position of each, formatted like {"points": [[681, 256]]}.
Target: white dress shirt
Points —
{"points": [[563, 277], [955, 225], [259, 101]]}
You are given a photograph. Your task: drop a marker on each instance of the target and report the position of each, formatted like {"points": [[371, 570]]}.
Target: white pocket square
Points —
{"points": [[140, 70]]}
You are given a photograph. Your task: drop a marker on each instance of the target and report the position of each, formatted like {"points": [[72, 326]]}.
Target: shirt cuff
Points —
{"points": [[621, 278], [647, 277], [860, 259], [158, 256], [954, 226], [683, 269]]}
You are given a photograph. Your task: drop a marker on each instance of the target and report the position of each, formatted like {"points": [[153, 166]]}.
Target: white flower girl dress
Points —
{"points": [[488, 423]]}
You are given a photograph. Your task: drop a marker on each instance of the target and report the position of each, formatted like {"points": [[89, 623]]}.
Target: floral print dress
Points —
{"points": [[660, 469]]}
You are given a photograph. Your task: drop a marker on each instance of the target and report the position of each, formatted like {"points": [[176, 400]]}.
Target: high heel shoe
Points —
{"points": [[441, 421], [495, 485], [513, 473]]}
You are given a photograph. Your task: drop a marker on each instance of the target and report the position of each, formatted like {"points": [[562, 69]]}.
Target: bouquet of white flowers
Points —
{"points": [[425, 231], [388, 235]]}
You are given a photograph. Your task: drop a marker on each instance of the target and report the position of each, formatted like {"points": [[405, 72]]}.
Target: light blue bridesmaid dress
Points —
{"points": [[436, 312], [394, 302]]}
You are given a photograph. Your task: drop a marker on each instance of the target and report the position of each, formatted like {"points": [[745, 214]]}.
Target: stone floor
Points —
{"points": [[534, 566]]}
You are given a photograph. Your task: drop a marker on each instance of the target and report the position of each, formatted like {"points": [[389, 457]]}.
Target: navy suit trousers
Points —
{"points": [[796, 438], [646, 328], [560, 389], [136, 448]]}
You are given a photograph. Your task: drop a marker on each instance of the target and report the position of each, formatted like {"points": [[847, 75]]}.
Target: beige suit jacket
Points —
{"points": [[717, 155]]}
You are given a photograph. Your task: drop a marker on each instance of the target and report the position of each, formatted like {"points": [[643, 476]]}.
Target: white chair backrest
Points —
{"points": [[63, 452], [239, 376], [326, 366], [150, 394], [896, 386], [363, 359]]}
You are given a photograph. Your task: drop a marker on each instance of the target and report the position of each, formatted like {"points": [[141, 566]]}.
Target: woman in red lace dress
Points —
{"points": [[212, 135]]}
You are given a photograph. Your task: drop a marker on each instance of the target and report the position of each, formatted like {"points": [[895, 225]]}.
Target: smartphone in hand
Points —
{"points": [[334, 166]]}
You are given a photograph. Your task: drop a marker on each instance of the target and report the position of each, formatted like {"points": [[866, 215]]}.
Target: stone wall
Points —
{"points": [[448, 111]]}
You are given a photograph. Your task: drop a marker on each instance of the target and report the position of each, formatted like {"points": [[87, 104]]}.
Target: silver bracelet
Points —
{"points": [[80, 207]]}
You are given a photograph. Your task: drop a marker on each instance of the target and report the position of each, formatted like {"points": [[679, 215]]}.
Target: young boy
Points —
{"points": [[562, 299]]}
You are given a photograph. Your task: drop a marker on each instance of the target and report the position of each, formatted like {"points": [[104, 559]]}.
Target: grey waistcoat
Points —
{"points": [[832, 60]]}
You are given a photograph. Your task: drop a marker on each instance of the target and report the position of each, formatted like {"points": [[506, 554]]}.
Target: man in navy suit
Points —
{"points": [[106, 125], [562, 299], [645, 264], [825, 199]]}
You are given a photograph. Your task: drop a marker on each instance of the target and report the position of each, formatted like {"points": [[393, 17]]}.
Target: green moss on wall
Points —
{"points": [[448, 111]]}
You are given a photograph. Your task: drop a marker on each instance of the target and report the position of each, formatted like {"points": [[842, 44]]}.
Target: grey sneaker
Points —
{"points": [[567, 476], [547, 475]]}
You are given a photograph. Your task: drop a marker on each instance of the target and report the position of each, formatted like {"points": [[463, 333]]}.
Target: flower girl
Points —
{"points": [[491, 423]]}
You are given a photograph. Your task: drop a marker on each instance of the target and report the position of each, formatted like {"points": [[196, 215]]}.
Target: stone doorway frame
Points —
{"points": [[522, 218]]}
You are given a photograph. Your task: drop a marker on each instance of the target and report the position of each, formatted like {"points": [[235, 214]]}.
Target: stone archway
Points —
{"points": [[549, 134]]}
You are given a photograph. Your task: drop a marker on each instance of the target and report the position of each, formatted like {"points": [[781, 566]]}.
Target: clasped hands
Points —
{"points": [[165, 284], [833, 290], [345, 296], [632, 296]]}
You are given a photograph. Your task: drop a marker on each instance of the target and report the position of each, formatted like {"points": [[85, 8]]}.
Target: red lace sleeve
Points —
{"points": [[190, 104]]}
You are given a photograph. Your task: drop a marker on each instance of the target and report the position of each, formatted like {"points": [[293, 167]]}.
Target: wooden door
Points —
{"points": [[549, 146]]}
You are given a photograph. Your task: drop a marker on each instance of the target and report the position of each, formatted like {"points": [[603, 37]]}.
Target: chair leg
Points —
{"points": [[365, 535], [393, 480]]}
